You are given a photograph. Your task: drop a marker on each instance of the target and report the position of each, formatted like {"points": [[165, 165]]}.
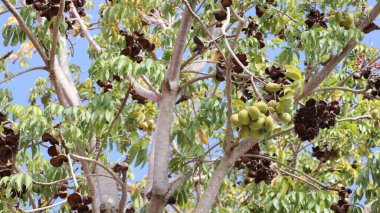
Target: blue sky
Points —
{"points": [[21, 85]]}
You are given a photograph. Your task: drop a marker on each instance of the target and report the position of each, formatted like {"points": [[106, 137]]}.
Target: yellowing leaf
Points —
{"points": [[11, 20], [133, 188], [215, 56], [293, 72], [203, 137]]}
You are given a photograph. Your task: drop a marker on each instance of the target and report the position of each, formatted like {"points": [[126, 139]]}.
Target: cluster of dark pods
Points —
{"points": [[243, 59], [134, 43], [220, 70], [252, 29], [107, 86], [325, 153], [130, 210], [50, 8], [315, 17], [8, 147], [311, 117], [277, 75], [62, 190], [343, 204], [261, 8], [79, 203], [200, 45], [136, 97], [373, 86], [120, 167], [221, 15], [54, 151], [259, 169], [365, 67]]}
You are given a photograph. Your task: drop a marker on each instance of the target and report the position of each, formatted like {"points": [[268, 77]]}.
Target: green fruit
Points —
{"points": [[261, 115], [244, 117], [271, 109], [235, 120], [144, 125], [258, 124], [263, 107], [377, 124], [277, 128], [272, 103], [285, 117], [273, 87], [253, 112], [244, 132], [375, 114], [269, 123], [348, 21], [339, 16], [257, 134], [280, 107], [151, 124]]}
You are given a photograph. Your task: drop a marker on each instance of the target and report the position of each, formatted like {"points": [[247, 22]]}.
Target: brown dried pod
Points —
{"points": [[100, 83], [172, 200], [29, 2], [226, 3], [11, 140], [87, 200], [39, 6], [5, 152], [58, 160], [145, 43], [126, 51], [5, 172], [151, 47], [62, 194], [370, 27], [53, 150], [48, 137], [75, 199], [220, 15]]}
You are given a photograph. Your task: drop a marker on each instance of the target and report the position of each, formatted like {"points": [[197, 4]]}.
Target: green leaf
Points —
{"points": [[293, 73]]}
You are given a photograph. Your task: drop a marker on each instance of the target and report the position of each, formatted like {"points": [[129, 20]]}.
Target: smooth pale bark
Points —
{"points": [[161, 152]]}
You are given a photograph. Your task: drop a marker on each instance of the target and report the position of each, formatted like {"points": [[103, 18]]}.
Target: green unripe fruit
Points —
{"points": [[277, 128], [244, 132], [257, 134], [339, 16], [258, 124], [280, 107], [285, 117], [269, 123], [348, 21], [271, 109], [151, 125], [244, 117], [253, 112], [377, 124], [272, 103], [263, 107], [273, 87], [144, 125], [235, 120], [375, 114]]}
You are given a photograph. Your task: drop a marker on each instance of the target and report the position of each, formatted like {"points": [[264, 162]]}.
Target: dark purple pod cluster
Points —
{"points": [[343, 204], [373, 86], [325, 153], [134, 44], [315, 17], [79, 203], [49, 9], [8, 147]]}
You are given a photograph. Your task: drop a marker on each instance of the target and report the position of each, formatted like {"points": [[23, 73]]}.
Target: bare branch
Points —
{"points": [[200, 78], [46, 207], [56, 33], [151, 87], [355, 118], [23, 72], [72, 172], [27, 31], [340, 88], [298, 178]]}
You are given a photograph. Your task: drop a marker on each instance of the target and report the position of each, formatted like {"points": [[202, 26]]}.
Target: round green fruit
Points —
{"points": [[235, 120], [244, 117], [377, 124], [348, 21], [280, 107], [263, 107], [273, 87], [257, 134], [285, 117], [375, 114], [271, 109], [272, 103], [253, 112], [269, 123], [258, 124], [244, 132], [144, 125], [339, 16]]}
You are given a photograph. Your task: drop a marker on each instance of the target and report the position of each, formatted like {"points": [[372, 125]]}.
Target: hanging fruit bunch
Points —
{"points": [[365, 67], [79, 203], [315, 17], [54, 151], [373, 86], [134, 44], [345, 20], [375, 114], [9, 142], [62, 190], [257, 168], [343, 203], [252, 29], [274, 89], [108, 85], [325, 153], [137, 97], [148, 126], [263, 7], [311, 117], [255, 121]]}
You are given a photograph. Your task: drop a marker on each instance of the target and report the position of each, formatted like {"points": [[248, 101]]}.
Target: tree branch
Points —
{"points": [[340, 88], [334, 60], [84, 28], [27, 31], [23, 72], [56, 33], [46, 207], [191, 81]]}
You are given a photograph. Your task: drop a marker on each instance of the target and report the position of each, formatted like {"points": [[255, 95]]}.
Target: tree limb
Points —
{"points": [[23, 72], [56, 33], [27, 31], [340, 88]]}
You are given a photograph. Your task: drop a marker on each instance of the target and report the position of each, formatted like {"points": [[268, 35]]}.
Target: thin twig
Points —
{"points": [[23, 72], [355, 118], [340, 88], [46, 207], [191, 81], [151, 87], [296, 177], [72, 172]]}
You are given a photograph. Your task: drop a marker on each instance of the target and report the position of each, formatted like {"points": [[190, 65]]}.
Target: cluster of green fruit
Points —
{"points": [[147, 125], [345, 20], [256, 121], [375, 114]]}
